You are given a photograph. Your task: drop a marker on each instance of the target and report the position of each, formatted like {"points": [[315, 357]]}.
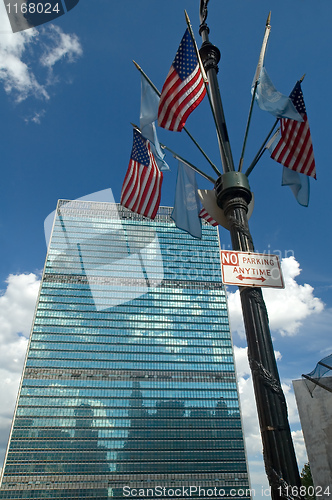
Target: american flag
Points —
{"points": [[203, 214], [294, 149], [183, 89], [141, 188]]}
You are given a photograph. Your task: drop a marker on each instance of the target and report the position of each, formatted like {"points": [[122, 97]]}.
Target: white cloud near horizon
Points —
{"points": [[21, 62], [297, 302], [17, 305]]}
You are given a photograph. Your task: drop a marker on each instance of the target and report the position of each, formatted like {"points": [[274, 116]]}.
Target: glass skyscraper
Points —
{"points": [[129, 385]]}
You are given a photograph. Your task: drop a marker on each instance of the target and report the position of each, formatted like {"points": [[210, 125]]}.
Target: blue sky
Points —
{"points": [[68, 92]]}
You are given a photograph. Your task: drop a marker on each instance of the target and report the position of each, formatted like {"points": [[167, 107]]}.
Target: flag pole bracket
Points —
{"points": [[211, 56], [232, 184]]}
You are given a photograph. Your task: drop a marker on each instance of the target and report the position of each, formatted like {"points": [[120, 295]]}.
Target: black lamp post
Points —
{"points": [[233, 196]]}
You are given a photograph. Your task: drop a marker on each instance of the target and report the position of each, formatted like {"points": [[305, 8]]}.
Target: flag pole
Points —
{"points": [[180, 158], [210, 56], [186, 162], [256, 79], [205, 78], [223, 154], [261, 150], [184, 128]]}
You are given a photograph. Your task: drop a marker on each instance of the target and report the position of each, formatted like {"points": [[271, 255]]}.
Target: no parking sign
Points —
{"points": [[251, 269]]}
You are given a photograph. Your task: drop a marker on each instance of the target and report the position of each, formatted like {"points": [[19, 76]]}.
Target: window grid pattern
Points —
{"points": [[130, 375]]}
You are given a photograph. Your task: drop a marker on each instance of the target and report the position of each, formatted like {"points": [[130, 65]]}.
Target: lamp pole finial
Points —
{"points": [[203, 12]]}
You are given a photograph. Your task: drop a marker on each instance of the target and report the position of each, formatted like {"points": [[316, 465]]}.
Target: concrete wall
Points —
{"points": [[315, 411]]}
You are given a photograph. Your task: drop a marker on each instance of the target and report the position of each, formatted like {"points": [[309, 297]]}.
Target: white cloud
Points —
{"points": [[294, 419], [258, 480], [297, 302], [248, 406], [300, 449], [15, 74], [17, 305], [37, 116], [9, 383], [63, 46], [293, 415], [235, 313], [21, 66]]}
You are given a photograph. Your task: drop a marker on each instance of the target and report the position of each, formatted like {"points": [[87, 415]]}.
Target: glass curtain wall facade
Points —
{"points": [[129, 385]]}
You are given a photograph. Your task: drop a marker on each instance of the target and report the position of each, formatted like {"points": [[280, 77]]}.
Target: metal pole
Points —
{"points": [[261, 150], [233, 195], [210, 56]]}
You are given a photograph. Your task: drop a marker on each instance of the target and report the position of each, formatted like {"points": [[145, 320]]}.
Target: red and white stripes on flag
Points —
{"points": [[294, 149], [204, 215], [183, 89], [141, 190]]}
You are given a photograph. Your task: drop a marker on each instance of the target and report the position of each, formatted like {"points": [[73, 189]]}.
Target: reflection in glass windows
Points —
{"points": [[129, 379]]}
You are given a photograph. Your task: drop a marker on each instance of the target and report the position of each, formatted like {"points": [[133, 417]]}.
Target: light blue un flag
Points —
{"points": [[148, 115], [299, 184], [269, 99], [187, 203]]}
